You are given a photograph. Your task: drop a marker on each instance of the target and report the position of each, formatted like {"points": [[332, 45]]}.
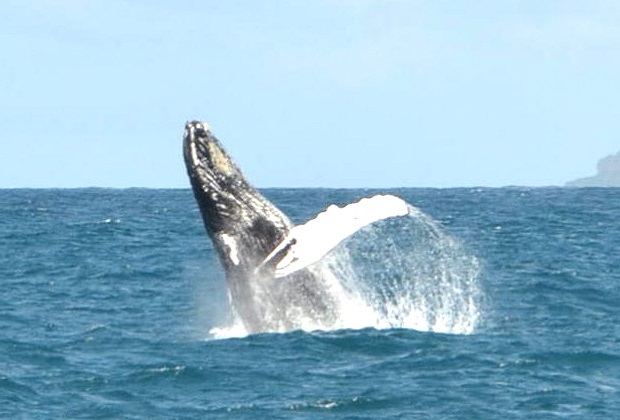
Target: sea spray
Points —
{"points": [[413, 275], [404, 272]]}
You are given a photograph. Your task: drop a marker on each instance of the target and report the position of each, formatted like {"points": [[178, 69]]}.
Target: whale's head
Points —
{"points": [[211, 171], [235, 215], [219, 186]]}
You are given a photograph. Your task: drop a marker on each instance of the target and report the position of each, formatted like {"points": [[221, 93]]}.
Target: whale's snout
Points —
{"points": [[196, 129], [209, 167], [200, 145], [200, 131]]}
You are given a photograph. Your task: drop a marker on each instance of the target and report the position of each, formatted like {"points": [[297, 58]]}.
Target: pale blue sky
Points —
{"points": [[331, 93]]}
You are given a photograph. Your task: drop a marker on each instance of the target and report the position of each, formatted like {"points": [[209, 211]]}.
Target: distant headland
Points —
{"points": [[607, 174]]}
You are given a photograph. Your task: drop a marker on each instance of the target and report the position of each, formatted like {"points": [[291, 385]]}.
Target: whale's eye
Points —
{"points": [[199, 131]]}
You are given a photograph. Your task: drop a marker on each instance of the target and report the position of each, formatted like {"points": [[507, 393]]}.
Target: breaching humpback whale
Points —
{"points": [[274, 281]]}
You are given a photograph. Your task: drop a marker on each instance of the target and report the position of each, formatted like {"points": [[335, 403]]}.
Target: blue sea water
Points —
{"points": [[110, 299]]}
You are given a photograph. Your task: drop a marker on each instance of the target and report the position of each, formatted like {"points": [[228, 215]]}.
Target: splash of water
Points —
{"points": [[413, 275], [404, 272]]}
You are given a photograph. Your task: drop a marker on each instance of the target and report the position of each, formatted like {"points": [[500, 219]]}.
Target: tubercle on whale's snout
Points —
{"points": [[195, 140], [199, 128]]}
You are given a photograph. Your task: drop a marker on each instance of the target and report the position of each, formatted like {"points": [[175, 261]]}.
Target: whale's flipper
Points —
{"points": [[307, 243]]}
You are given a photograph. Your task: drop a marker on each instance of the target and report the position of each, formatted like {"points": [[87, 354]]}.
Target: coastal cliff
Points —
{"points": [[607, 174]]}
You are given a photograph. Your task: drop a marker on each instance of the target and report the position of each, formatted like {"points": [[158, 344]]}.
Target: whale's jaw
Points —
{"points": [[225, 198], [243, 225], [228, 203]]}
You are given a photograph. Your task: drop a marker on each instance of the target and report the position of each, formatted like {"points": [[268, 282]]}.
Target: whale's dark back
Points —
{"points": [[245, 227]]}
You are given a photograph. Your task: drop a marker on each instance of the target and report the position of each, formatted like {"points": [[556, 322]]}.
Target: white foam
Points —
{"points": [[398, 273], [236, 330]]}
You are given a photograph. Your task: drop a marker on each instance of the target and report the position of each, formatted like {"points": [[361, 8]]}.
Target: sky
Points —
{"points": [[313, 93]]}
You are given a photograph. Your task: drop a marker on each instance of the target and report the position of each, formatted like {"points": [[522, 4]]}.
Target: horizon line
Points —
{"points": [[317, 187]]}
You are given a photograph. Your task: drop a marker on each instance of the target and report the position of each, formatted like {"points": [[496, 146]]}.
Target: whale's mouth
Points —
{"points": [[218, 185], [208, 165]]}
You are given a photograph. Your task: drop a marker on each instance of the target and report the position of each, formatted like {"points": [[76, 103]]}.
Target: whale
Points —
{"points": [[276, 277]]}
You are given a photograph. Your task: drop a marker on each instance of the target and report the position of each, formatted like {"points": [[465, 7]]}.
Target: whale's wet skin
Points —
{"points": [[283, 277], [245, 227]]}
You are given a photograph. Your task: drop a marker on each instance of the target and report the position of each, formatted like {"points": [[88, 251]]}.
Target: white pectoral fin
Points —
{"points": [[307, 243]]}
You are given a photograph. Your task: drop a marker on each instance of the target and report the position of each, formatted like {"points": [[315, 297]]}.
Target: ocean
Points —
{"points": [[493, 303]]}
